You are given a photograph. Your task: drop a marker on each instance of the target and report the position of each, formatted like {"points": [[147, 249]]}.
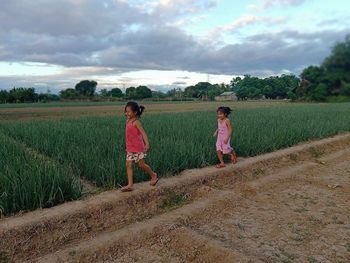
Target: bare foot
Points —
{"points": [[220, 165], [154, 180], [126, 188], [233, 158]]}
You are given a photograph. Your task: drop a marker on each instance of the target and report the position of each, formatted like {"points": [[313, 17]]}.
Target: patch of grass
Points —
{"points": [[311, 259], [240, 236], [337, 221], [300, 210], [174, 254], [331, 203], [4, 258], [240, 226], [300, 234], [338, 98], [293, 157], [172, 200], [285, 257], [315, 221], [347, 247], [316, 152]]}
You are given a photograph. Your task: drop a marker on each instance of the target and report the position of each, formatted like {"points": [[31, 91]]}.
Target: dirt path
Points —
{"points": [[292, 205]]}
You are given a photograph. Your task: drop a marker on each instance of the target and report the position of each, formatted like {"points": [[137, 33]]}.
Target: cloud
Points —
{"points": [[179, 83], [180, 7], [243, 21], [105, 38], [269, 53], [265, 4]]}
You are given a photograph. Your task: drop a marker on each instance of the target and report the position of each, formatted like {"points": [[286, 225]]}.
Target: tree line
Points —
{"points": [[331, 80], [276, 87], [21, 95], [328, 82]]}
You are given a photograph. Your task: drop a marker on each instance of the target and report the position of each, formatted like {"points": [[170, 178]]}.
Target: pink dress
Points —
{"points": [[134, 140], [225, 148]]}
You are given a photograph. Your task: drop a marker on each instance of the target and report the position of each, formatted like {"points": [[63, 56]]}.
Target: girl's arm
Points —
{"points": [[138, 125], [215, 133], [229, 126]]}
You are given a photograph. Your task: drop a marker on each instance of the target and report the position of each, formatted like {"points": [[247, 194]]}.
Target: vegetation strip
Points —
{"points": [[28, 183]]}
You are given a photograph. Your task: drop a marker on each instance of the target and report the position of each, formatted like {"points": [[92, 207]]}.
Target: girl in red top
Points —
{"points": [[136, 144]]}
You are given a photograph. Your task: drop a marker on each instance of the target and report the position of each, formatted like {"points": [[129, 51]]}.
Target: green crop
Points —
{"points": [[27, 182], [94, 148]]}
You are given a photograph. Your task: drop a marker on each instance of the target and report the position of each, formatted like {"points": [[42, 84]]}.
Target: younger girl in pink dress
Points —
{"points": [[136, 144], [223, 133]]}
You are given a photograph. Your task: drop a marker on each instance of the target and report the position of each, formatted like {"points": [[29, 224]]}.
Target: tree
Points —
{"points": [[329, 79], [143, 92], [345, 89], [339, 61], [104, 93], [235, 82], [320, 93], [291, 95], [158, 94], [130, 92], [4, 96], [205, 90], [20, 95], [197, 90], [248, 87], [86, 87], [312, 76], [43, 97], [69, 94], [116, 92]]}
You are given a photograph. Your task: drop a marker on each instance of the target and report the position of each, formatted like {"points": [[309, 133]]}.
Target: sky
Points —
{"points": [[162, 43]]}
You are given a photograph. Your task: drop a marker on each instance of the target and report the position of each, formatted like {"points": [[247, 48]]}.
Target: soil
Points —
{"points": [[292, 205], [46, 113]]}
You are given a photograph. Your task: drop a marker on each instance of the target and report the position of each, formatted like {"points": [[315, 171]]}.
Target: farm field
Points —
{"points": [[291, 205], [11, 112], [82, 150]]}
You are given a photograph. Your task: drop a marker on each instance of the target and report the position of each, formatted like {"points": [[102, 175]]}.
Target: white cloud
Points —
{"points": [[243, 21], [265, 4]]}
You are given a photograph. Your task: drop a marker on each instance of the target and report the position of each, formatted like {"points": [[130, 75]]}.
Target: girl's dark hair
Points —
{"points": [[224, 110], [135, 108]]}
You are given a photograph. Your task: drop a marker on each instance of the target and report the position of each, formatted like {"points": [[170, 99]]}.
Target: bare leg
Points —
{"points": [[148, 170], [233, 157], [221, 158], [129, 172]]}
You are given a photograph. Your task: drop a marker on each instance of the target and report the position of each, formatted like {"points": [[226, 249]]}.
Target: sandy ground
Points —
{"points": [[292, 205]]}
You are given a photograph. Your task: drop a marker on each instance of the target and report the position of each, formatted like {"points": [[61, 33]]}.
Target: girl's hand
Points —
{"points": [[147, 147], [226, 140], [215, 133]]}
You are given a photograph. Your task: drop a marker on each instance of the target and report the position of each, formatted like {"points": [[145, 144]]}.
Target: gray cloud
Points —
{"points": [[68, 17], [258, 54], [179, 83], [118, 37]]}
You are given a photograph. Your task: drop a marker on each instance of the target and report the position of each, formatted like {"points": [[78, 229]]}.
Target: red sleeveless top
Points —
{"points": [[134, 140]]}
